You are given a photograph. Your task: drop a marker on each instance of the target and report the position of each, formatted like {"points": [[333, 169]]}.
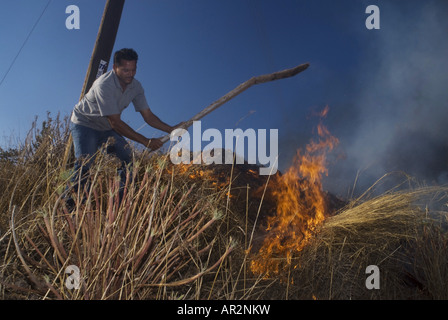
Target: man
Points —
{"points": [[97, 117]]}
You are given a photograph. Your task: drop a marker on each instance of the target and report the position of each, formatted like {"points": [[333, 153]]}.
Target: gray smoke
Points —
{"points": [[397, 117], [403, 106]]}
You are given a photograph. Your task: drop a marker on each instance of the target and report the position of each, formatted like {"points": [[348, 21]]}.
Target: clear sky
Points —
{"points": [[386, 88]]}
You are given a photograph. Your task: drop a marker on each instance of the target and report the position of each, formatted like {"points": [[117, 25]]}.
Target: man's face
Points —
{"points": [[126, 71]]}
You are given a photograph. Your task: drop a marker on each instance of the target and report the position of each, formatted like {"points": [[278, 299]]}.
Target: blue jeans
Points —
{"points": [[88, 141]]}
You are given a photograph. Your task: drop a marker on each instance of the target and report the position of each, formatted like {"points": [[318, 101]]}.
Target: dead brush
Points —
{"points": [[130, 248], [161, 234], [396, 231], [155, 241]]}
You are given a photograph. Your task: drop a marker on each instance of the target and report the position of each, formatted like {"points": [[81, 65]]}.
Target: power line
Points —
{"points": [[24, 43]]}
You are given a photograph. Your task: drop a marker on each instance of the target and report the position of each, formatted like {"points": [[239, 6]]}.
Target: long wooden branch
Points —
{"points": [[287, 73]]}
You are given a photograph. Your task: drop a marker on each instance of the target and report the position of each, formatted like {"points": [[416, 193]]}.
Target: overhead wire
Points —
{"points": [[24, 43]]}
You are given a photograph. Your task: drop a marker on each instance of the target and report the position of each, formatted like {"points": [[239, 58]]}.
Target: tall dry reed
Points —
{"points": [[156, 235], [160, 234]]}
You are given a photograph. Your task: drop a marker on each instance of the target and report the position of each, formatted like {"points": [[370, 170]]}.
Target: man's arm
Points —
{"points": [[122, 128], [154, 121]]}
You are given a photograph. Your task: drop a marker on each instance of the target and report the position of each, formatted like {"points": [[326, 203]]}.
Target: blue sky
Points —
{"points": [[381, 85]]}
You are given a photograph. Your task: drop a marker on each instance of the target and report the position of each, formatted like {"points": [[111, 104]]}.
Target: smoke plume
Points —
{"points": [[400, 123]]}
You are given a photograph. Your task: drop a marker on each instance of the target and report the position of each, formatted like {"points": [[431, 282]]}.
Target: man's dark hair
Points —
{"points": [[125, 54]]}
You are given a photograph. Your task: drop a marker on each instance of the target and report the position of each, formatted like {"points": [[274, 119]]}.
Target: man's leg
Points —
{"points": [[121, 149], [86, 144]]}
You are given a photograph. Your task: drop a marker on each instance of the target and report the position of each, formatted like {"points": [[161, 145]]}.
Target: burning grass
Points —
{"points": [[301, 206], [196, 232]]}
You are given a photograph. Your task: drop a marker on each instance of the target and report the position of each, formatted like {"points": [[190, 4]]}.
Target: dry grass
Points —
{"points": [[396, 231], [174, 237], [160, 241]]}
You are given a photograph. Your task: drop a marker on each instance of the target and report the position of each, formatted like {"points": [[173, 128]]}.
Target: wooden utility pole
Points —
{"points": [[102, 52], [104, 44]]}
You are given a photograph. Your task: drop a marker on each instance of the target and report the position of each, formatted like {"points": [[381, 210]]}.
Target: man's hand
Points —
{"points": [[154, 144]]}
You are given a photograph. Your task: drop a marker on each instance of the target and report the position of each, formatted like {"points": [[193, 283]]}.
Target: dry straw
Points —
{"points": [[153, 242], [403, 233], [173, 237]]}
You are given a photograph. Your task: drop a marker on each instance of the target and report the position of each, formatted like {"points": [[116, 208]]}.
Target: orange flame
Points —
{"points": [[301, 206]]}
